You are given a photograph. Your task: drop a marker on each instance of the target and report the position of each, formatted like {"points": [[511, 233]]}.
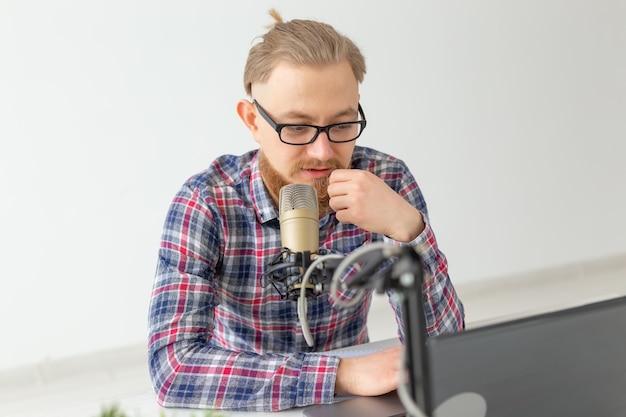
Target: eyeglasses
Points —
{"points": [[298, 134]]}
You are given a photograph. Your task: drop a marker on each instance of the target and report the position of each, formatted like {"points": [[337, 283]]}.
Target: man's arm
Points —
{"points": [[398, 211], [191, 374]]}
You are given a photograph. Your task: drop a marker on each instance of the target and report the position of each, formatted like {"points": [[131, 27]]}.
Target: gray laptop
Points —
{"points": [[570, 363]]}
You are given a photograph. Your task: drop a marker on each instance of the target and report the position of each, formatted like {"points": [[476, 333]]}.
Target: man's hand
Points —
{"points": [[369, 375], [361, 198]]}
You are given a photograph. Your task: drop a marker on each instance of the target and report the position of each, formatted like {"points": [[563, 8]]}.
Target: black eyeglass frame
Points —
{"points": [[279, 126]]}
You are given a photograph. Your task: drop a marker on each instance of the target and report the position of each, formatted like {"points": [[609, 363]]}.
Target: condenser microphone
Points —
{"points": [[299, 234], [299, 218]]}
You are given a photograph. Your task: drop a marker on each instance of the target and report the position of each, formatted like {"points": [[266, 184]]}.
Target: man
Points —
{"points": [[219, 337]]}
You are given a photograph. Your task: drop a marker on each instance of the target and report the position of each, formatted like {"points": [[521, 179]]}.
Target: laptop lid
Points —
{"points": [[570, 362]]}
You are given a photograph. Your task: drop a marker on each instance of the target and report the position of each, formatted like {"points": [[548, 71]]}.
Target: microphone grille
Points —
{"points": [[298, 196]]}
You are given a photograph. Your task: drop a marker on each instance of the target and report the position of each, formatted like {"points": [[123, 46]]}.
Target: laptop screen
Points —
{"points": [[570, 362]]}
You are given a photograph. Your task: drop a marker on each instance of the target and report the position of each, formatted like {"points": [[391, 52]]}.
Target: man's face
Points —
{"points": [[304, 95]]}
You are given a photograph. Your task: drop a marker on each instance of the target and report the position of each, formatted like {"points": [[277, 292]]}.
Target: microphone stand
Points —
{"points": [[404, 277], [287, 269], [304, 276]]}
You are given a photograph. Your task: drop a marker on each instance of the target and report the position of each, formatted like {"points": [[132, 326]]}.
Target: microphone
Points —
{"points": [[301, 269], [299, 218], [299, 234]]}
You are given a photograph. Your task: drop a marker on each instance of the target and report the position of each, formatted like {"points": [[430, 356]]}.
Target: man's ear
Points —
{"points": [[248, 115]]}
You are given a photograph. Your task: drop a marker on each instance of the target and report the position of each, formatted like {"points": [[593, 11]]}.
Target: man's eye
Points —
{"points": [[297, 129]]}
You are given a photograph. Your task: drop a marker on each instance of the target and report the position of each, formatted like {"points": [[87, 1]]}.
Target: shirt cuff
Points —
{"points": [[316, 384]]}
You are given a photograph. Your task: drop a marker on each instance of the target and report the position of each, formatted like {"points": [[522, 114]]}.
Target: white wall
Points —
{"points": [[511, 115]]}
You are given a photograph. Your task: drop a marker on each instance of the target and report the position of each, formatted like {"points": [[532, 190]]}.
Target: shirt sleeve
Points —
{"points": [[443, 309], [187, 371]]}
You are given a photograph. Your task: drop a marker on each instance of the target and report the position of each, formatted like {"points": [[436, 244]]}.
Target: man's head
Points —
{"points": [[300, 42], [302, 72]]}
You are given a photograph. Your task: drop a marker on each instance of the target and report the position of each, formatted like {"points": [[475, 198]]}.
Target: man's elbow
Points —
{"points": [[162, 375]]}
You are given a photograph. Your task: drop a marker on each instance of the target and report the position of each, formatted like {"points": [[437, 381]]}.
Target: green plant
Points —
{"points": [[114, 410]]}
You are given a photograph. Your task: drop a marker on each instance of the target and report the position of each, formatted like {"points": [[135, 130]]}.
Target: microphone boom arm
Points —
{"points": [[404, 277]]}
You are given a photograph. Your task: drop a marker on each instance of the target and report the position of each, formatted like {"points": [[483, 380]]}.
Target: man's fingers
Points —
{"points": [[339, 175]]}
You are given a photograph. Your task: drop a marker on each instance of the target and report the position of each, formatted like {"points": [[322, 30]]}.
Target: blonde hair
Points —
{"points": [[301, 42]]}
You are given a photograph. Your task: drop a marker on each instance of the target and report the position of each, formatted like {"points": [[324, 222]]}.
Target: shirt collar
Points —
{"points": [[261, 200]]}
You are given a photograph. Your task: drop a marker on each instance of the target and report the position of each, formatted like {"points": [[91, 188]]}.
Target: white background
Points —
{"points": [[512, 116]]}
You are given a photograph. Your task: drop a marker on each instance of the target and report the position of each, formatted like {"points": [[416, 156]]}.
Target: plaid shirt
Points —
{"points": [[219, 337]]}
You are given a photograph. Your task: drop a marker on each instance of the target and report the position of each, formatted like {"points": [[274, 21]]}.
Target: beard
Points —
{"points": [[274, 181]]}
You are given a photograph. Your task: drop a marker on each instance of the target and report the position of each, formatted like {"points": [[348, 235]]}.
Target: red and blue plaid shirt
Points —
{"points": [[219, 337]]}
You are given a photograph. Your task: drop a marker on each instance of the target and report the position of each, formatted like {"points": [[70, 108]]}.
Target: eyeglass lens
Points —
{"points": [[343, 132]]}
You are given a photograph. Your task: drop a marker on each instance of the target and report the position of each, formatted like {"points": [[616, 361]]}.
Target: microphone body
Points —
{"points": [[299, 218], [299, 234]]}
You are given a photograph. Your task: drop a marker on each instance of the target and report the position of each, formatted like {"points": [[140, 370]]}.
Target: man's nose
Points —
{"points": [[321, 149]]}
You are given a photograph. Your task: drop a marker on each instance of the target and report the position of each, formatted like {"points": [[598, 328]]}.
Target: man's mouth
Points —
{"points": [[318, 172]]}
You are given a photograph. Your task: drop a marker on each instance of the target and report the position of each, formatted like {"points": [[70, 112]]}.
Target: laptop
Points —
{"points": [[570, 362]]}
